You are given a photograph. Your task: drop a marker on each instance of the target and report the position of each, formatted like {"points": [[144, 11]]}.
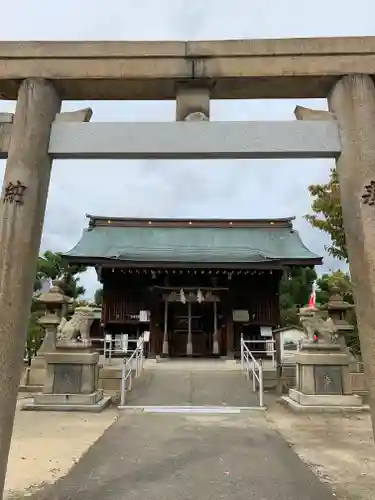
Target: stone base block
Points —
{"points": [[73, 345], [37, 376], [75, 399], [92, 403], [78, 357], [71, 373], [30, 388], [324, 399], [32, 378], [38, 362], [297, 407]]}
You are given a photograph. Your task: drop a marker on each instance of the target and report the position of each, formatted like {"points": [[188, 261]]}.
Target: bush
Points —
{"points": [[34, 338]]}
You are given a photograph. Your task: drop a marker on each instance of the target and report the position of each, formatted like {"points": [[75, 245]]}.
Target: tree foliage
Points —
{"points": [[328, 282], [296, 286], [327, 214], [295, 290], [289, 316], [98, 297], [34, 337], [52, 265]]}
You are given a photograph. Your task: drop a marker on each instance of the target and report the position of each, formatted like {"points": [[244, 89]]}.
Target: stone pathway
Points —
{"points": [[184, 457]]}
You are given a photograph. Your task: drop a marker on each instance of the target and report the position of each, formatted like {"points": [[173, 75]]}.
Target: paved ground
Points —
{"points": [[338, 448], [45, 446], [192, 387], [184, 457], [223, 456]]}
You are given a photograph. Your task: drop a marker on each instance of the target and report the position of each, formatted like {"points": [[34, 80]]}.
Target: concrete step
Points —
{"points": [[270, 384], [110, 378], [201, 388], [206, 410], [269, 378]]}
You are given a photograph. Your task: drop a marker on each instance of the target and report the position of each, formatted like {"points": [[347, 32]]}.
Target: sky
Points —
{"points": [[228, 189]]}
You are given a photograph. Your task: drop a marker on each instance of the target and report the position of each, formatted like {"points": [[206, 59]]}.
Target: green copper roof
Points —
{"points": [[205, 245]]}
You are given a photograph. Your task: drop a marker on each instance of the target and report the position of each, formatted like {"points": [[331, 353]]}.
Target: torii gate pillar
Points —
{"points": [[353, 102], [22, 208]]}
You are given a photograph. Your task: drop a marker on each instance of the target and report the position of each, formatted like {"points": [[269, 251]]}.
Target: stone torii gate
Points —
{"points": [[42, 74]]}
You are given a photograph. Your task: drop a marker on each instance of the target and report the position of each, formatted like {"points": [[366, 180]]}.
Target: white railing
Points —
{"points": [[110, 346], [269, 348], [250, 364], [136, 358]]}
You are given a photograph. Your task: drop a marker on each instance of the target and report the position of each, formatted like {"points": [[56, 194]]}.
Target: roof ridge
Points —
{"points": [[99, 220], [193, 219]]}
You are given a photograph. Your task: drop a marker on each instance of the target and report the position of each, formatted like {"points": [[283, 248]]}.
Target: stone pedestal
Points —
{"points": [[322, 380], [71, 383]]}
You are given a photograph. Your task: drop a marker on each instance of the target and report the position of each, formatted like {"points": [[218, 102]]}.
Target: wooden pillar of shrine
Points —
{"points": [[229, 327]]}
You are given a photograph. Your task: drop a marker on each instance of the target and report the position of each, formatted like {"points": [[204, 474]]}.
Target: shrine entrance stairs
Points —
{"points": [[192, 385]]}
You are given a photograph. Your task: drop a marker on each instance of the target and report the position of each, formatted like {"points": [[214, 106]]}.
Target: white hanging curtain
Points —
{"points": [[182, 296]]}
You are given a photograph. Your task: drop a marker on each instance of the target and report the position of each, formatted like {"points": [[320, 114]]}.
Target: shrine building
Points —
{"points": [[195, 285]]}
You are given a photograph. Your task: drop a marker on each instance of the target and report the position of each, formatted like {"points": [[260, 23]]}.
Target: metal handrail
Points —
{"points": [[269, 352], [248, 363], [108, 347], [127, 372]]}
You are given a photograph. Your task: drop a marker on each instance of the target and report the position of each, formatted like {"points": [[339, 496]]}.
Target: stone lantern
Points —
{"points": [[55, 304], [337, 309]]}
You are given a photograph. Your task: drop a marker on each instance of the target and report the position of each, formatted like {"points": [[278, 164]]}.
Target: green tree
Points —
{"points": [[294, 292], [98, 297], [296, 286], [328, 282], [327, 214], [289, 316], [52, 265], [34, 338]]}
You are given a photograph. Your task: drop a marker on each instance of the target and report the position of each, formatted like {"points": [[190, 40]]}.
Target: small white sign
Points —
{"points": [[266, 331], [146, 336], [124, 342], [144, 316]]}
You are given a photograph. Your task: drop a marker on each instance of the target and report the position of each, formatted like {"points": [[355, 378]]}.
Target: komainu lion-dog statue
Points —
{"points": [[315, 327], [77, 329]]}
